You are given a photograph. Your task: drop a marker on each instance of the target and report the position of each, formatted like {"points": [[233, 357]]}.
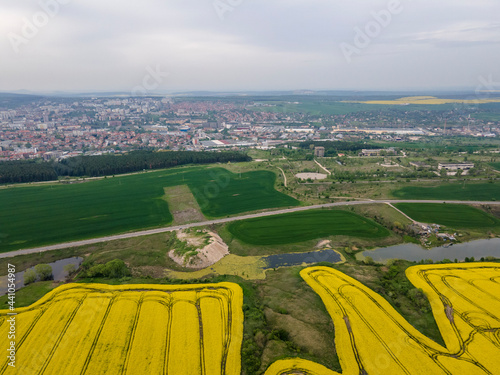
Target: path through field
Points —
{"points": [[326, 170], [284, 175], [183, 205]]}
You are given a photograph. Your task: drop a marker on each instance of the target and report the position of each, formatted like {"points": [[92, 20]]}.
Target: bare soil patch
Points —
{"points": [[183, 205], [312, 176], [206, 255]]}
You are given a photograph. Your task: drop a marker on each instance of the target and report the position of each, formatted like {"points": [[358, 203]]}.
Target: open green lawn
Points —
{"points": [[29, 294], [496, 166], [455, 191], [303, 226], [32, 216], [451, 215]]}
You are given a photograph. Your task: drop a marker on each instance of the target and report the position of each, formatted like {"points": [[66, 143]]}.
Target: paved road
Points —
{"points": [[220, 221]]}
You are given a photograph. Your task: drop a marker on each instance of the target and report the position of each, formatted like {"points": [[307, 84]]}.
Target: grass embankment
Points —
{"points": [[146, 256], [451, 215], [456, 191], [303, 226], [29, 294], [38, 215]]}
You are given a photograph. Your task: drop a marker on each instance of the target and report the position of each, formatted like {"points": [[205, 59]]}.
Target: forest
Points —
{"points": [[102, 165]]}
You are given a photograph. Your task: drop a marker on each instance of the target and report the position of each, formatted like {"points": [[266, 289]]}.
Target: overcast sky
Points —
{"points": [[89, 45]]}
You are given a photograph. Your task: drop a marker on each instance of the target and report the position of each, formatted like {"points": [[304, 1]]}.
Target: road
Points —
{"points": [[220, 221], [322, 167]]}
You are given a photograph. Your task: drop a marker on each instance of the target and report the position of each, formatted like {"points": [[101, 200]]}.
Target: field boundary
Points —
{"points": [[222, 221]]}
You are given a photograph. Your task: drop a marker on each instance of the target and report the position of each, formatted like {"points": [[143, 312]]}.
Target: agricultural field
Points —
{"points": [[57, 212], [496, 166], [450, 215], [302, 226], [314, 107], [457, 191], [430, 100], [195, 329], [372, 338], [139, 329]]}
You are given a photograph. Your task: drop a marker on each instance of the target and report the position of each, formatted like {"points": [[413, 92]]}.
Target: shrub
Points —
{"points": [[44, 272], [29, 276], [369, 260], [115, 269]]}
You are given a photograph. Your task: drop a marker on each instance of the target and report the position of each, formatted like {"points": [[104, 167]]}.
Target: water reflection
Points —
{"points": [[413, 252], [57, 271], [296, 259]]}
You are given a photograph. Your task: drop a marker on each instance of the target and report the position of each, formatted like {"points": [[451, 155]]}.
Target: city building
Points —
{"points": [[319, 152], [455, 166]]}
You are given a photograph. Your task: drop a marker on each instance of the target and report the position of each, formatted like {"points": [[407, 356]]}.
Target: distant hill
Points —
{"points": [[10, 101]]}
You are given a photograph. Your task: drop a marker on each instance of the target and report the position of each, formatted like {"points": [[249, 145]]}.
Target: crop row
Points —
{"points": [[144, 329], [372, 338]]}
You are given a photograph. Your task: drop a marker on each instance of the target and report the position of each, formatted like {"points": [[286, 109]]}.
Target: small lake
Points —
{"points": [[413, 252], [57, 271], [296, 259]]}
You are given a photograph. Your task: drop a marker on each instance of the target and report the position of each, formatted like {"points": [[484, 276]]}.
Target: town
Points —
{"points": [[59, 127]]}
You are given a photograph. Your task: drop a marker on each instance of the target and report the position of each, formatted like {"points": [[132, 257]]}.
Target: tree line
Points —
{"points": [[102, 165], [332, 148]]}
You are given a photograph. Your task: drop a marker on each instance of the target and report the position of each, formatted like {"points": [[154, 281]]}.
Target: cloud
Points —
{"points": [[260, 44], [463, 34]]}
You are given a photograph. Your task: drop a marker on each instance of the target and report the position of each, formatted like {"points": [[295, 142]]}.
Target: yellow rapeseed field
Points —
{"points": [[372, 338], [130, 329], [197, 329], [428, 100]]}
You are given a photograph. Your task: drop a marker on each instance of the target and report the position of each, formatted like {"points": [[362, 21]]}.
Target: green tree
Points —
{"points": [[369, 260], [44, 272], [29, 276]]}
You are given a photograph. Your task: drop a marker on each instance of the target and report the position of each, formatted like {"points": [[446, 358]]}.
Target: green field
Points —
{"points": [[327, 107], [36, 215], [451, 215], [303, 226], [496, 166], [458, 191], [487, 116]]}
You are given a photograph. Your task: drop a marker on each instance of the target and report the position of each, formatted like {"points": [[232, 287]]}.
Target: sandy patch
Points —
{"points": [[324, 243], [206, 255], [312, 176]]}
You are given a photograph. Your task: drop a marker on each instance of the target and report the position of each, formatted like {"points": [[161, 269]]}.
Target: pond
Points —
{"points": [[57, 271], [288, 260], [413, 252]]}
